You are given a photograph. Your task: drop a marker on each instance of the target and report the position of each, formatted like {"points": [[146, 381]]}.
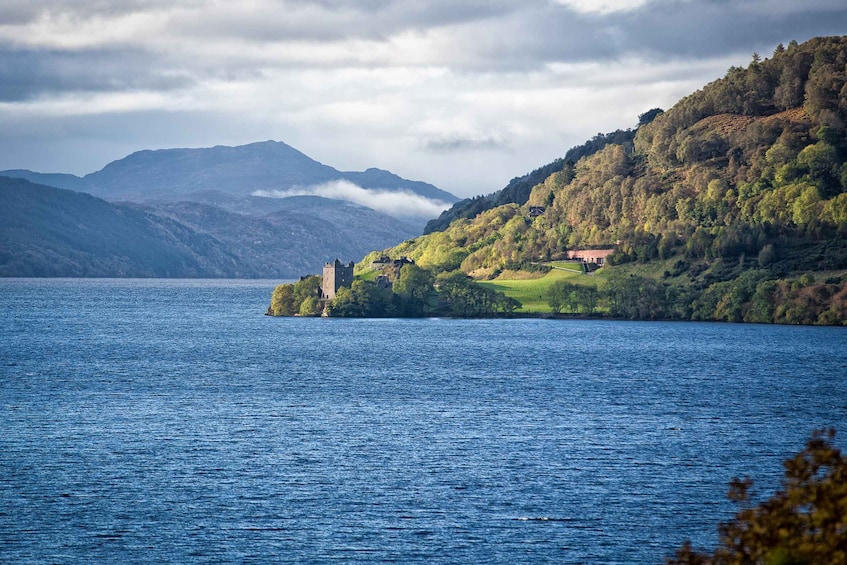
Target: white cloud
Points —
{"points": [[602, 6], [391, 202]]}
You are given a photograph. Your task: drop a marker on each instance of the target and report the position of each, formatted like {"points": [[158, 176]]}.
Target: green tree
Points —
{"points": [[413, 287], [805, 522], [287, 299], [311, 306], [344, 305], [466, 298], [307, 287], [822, 164], [362, 300], [282, 301], [568, 297], [649, 116], [636, 298]]}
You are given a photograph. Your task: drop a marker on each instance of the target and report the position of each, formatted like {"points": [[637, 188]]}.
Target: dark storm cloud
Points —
{"points": [[709, 29], [31, 73], [331, 21], [473, 36], [661, 30]]}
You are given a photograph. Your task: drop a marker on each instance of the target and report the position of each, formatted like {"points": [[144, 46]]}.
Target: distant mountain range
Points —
{"points": [[249, 211], [189, 174]]}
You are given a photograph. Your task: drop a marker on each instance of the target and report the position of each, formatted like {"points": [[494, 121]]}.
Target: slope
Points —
{"points": [[45, 231], [734, 201]]}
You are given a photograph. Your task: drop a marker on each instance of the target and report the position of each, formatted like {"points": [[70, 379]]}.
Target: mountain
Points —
{"points": [[731, 205], [224, 195], [180, 174], [46, 231]]}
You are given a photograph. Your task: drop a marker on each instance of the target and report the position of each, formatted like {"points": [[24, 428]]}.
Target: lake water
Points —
{"points": [[170, 421]]}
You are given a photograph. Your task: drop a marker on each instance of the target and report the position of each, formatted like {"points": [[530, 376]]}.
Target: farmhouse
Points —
{"points": [[596, 256]]}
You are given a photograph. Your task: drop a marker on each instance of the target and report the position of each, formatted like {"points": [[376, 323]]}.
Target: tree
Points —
{"points": [[344, 305], [564, 296], [307, 287], [311, 306], [282, 301], [649, 116], [290, 299], [805, 522], [467, 298], [414, 287], [362, 300], [821, 162], [636, 298]]}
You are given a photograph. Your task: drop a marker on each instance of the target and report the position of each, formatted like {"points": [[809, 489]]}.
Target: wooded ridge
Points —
{"points": [[731, 205]]}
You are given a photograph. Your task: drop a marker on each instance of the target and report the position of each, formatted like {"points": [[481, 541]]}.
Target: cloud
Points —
{"points": [[463, 95], [602, 6], [30, 74], [460, 142], [391, 202]]}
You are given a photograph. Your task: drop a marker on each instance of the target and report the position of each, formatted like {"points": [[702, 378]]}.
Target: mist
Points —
{"points": [[391, 202]]}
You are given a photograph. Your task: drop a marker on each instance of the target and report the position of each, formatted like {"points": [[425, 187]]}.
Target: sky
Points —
{"points": [[463, 94]]}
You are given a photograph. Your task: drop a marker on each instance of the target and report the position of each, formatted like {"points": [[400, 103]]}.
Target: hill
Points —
{"points": [[252, 201], [293, 240], [519, 188], [46, 231], [731, 205]]}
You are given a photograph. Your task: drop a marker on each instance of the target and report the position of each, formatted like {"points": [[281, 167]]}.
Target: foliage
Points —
{"points": [[412, 294], [463, 297], [362, 300], [519, 189], [805, 522], [573, 298], [300, 298], [638, 298], [413, 288]]}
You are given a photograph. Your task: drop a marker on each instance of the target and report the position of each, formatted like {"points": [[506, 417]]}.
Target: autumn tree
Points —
{"points": [[804, 523]]}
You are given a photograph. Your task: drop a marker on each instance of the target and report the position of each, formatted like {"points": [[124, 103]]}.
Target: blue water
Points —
{"points": [[170, 421]]}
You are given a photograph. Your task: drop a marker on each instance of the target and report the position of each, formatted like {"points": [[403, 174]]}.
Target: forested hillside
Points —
{"points": [[50, 232], [519, 188], [730, 205]]}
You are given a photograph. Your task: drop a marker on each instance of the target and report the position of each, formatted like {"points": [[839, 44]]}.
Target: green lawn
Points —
{"points": [[568, 265], [369, 275], [532, 293]]}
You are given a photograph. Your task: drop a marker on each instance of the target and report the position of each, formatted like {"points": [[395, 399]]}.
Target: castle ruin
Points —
{"points": [[336, 275]]}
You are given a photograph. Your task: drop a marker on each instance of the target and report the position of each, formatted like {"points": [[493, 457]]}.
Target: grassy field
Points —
{"points": [[532, 293], [369, 275]]}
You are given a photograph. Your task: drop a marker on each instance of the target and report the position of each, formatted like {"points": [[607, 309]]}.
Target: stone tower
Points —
{"points": [[336, 275]]}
